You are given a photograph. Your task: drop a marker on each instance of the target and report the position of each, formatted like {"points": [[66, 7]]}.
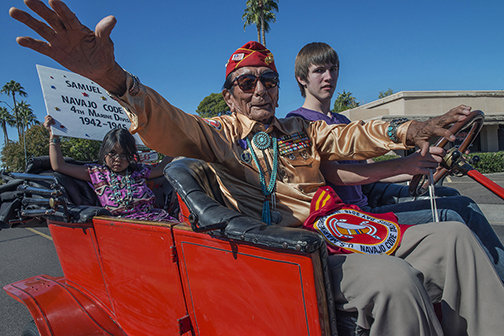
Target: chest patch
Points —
{"points": [[359, 232], [213, 123]]}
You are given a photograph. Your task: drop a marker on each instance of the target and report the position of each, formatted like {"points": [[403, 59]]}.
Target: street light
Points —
{"points": [[1, 101], [24, 136]]}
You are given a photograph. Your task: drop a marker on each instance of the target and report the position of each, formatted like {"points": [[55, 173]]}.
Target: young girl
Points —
{"points": [[118, 179]]}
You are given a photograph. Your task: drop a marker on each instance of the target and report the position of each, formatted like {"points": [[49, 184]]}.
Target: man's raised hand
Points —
{"points": [[73, 45]]}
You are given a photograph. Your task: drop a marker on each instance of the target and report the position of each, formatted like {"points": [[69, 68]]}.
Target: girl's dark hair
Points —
{"points": [[127, 142]]}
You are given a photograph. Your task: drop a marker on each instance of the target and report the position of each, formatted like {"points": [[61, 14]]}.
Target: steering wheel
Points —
{"points": [[465, 132]]}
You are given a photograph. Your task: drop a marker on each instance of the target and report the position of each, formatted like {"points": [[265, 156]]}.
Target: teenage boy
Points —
{"points": [[316, 71]]}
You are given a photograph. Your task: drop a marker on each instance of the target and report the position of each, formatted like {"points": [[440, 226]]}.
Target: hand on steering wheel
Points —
{"points": [[465, 132]]}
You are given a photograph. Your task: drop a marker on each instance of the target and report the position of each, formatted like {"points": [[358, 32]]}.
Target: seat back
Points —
{"points": [[203, 207], [197, 187], [78, 199], [75, 191]]}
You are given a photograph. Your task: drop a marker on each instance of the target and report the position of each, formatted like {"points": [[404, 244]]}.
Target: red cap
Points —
{"points": [[251, 54]]}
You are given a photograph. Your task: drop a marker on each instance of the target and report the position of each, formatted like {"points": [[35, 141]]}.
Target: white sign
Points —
{"points": [[80, 107]]}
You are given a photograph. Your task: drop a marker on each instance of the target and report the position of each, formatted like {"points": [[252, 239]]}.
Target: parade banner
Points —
{"points": [[80, 107]]}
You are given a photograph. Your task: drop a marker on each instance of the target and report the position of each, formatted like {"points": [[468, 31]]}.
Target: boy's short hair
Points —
{"points": [[318, 53]]}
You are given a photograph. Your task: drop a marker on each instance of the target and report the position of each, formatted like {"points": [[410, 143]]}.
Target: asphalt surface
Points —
{"points": [[29, 252], [490, 204], [23, 253]]}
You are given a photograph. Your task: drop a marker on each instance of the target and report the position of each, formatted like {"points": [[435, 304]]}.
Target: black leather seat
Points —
{"points": [[80, 201], [197, 187]]}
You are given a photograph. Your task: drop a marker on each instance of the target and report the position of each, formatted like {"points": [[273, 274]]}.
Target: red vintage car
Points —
{"points": [[214, 272]]}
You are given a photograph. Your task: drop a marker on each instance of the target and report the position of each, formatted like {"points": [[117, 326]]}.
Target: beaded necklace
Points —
{"points": [[263, 141], [115, 185]]}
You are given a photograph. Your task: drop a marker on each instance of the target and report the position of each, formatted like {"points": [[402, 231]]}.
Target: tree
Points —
{"points": [[6, 119], [251, 16], [384, 94], [213, 105], [26, 115], [37, 144], [345, 101], [260, 13], [14, 87], [13, 156], [80, 149]]}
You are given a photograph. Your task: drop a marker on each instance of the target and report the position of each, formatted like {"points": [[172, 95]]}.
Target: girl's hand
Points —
{"points": [[48, 121]]}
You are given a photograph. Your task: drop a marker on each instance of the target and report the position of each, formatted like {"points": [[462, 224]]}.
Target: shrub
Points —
{"points": [[488, 163], [385, 157]]}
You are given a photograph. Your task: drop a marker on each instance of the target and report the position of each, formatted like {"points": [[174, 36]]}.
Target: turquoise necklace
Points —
{"points": [[263, 141], [126, 200]]}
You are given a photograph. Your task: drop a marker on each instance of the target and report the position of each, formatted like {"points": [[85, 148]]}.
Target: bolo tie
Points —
{"points": [[263, 142]]}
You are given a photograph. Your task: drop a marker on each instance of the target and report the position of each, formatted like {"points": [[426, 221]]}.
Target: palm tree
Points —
{"points": [[14, 87], [26, 115], [26, 118], [260, 13], [6, 119], [252, 16]]}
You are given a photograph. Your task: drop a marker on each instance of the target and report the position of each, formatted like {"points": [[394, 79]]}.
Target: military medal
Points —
{"points": [[293, 142], [246, 157], [304, 155]]}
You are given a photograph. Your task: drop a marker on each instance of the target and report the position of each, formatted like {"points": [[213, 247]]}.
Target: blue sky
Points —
{"points": [[179, 48]]}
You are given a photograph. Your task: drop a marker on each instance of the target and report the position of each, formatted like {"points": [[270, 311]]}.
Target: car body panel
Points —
{"points": [[143, 278]]}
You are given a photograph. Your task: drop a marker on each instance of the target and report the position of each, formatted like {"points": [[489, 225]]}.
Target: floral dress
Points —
{"points": [[126, 195]]}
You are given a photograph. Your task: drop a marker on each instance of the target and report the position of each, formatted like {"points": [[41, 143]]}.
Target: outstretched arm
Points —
{"points": [[355, 174], [56, 157], [73, 45]]}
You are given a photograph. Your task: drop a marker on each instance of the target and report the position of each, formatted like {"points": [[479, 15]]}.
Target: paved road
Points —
{"points": [[468, 187], [25, 253], [491, 205]]}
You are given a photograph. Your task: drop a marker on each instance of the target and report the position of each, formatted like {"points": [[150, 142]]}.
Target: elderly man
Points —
{"points": [[259, 158]]}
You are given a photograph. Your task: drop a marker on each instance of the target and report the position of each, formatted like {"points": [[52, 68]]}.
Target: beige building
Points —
{"points": [[421, 105]]}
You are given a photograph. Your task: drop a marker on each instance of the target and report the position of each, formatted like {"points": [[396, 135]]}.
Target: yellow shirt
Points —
{"points": [[173, 132]]}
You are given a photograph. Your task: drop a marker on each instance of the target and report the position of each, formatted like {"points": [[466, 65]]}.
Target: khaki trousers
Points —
{"points": [[436, 262]]}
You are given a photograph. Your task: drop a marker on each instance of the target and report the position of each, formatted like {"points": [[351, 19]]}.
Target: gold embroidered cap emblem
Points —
{"points": [[268, 59]]}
